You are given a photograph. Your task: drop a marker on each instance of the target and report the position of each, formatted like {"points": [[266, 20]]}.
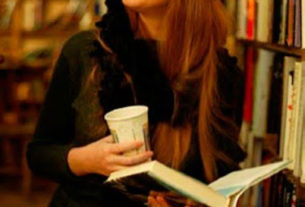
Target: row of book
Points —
{"points": [[274, 112], [38, 14], [276, 21], [281, 191], [274, 103]]}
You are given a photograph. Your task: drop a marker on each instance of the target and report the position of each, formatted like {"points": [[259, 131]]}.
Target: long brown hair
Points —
{"points": [[194, 31]]}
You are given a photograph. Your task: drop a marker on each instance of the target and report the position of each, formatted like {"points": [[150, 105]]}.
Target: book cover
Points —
{"points": [[224, 192], [262, 91]]}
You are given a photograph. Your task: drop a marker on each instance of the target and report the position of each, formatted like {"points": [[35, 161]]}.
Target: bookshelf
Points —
{"points": [[32, 33], [269, 34], [274, 47]]}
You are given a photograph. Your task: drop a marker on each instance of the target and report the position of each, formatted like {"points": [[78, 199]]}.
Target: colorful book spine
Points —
{"points": [[261, 92], [251, 19]]}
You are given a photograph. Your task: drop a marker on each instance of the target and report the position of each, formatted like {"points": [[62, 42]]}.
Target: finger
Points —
{"points": [[162, 202], [125, 146], [152, 202], [132, 160], [153, 193], [108, 139]]}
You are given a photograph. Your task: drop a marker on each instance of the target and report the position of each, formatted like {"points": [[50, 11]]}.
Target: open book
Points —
{"points": [[223, 192]]}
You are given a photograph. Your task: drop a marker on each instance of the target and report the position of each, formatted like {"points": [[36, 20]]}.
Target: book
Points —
{"points": [[303, 23], [251, 18], [248, 98], [297, 24], [289, 63], [241, 19], [276, 96], [224, 192], [261, 92], [277, 20], [299, 117], [303, 157], [264, 14], [290, 22], [283, 22]]}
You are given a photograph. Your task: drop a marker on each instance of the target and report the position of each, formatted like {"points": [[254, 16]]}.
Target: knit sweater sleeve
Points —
{"points": [[47, 152]]}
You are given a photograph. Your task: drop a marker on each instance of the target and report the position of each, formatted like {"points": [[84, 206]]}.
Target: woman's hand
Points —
{"points": [[157, 201], [104, 157], [164, 199]]}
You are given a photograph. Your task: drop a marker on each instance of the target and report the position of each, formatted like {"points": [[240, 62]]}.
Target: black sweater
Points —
{"points": [[80, 94], [72, 116]]}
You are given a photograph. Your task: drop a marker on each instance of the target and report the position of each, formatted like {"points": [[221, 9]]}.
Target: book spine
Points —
{"points": [[262, 91], [290, 26], [262, 25], [303, 24], [297, 30], [300, 104], [287, 105], [283, 22], [251, 20], [248, 103]]}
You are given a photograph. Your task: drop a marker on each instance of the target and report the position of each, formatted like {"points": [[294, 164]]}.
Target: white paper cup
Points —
{"points": [[129, 124]]}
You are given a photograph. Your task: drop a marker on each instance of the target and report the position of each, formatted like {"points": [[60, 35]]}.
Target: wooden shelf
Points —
{"points": [[275, 47]]}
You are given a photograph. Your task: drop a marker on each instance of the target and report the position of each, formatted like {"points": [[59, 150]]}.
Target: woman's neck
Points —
{"points": [[151, 23]]}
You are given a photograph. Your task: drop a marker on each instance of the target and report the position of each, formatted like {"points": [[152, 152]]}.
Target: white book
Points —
{"points": [[261, 92], [264, 10], [223, 192], [299, 117], [242, 19]]}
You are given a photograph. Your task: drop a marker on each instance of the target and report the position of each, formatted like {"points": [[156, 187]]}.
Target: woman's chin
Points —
{"points": [[143, 5]]}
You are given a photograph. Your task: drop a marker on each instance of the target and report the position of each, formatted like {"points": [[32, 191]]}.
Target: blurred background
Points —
{"points": [[32, 33]]}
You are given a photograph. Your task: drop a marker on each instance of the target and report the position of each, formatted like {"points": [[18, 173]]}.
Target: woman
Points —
{"points": [[166, 54]]}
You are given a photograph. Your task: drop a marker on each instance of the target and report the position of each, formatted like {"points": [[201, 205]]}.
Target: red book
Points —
{"points": [[249, 70], [251, 19]]}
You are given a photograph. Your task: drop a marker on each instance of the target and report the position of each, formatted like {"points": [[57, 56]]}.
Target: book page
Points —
{"points": [[245, 178]]}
